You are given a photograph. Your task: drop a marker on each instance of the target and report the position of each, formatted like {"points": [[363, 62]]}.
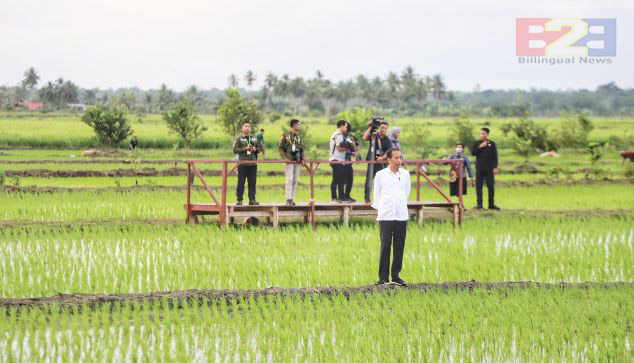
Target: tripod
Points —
{"points": [[369, 182]]}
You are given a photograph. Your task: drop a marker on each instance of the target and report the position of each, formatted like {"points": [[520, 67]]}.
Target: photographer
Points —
{"points": [[338, 153], [292, 148], [379, 144], [352, 152], [246, 147]]}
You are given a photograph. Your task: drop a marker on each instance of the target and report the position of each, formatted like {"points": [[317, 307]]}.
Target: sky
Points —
{"points": [[144, 43]]}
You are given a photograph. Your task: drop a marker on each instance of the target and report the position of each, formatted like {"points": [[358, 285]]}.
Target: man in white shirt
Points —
{"points": [[392, 186]]}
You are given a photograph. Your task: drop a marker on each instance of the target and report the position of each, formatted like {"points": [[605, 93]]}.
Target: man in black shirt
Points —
{"points": [[486, 154], [380, 143]]}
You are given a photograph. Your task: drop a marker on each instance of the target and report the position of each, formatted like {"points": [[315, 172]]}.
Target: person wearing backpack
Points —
{"points": [[338, 153]]}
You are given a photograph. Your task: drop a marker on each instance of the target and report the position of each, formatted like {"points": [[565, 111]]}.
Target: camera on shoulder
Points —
{"points": [[375, 123]]}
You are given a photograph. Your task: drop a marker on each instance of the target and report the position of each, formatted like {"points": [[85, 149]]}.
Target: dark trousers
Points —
{"points": [[248, 173], [349, 175], [338, 181], [485, 175], [392, 233], [369, 178]]}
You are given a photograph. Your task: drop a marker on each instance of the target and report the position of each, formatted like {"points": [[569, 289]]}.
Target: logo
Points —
{"points": [[562, 37]]}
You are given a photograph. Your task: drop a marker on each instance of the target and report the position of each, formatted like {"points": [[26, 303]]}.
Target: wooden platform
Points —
{"points": [[274, 212]]}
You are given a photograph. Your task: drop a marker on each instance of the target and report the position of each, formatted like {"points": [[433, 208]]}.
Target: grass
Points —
{"points": [[126, 204], [510, 325], [46, 260], [68, 131], [530, 324]]}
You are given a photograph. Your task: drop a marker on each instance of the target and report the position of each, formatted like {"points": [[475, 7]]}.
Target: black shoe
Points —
{"points": [[348, 200], [253, 202], [478, 207], [367, 201], [381, 282], [239, 202], [399, 282], [290, 203], [494, 207]]}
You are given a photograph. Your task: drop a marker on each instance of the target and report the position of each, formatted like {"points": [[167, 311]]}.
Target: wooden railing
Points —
{"points": [[311, 166]]}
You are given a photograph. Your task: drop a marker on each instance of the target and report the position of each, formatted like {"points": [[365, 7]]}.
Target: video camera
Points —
{"points": [[375, 123]]}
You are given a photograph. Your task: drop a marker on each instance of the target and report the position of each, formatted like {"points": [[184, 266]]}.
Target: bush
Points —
{"points": [[527, 137], [111, 124], [574, 130], [462, 132], [183, 121]]}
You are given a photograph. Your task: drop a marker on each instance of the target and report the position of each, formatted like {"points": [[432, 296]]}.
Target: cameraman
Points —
{"points": [[292, 148], [379, 144]]}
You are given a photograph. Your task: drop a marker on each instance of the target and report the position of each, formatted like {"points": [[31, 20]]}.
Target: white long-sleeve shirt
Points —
{"points": [[391, 191]]}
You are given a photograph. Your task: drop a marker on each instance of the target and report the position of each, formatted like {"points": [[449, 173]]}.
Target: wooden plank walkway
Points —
{"points": [[228, 213], [275, 212]]}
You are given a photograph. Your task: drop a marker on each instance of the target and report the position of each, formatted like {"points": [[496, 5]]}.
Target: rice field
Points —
{"points": [[208, 292], [130, 204], [510, 325], [113, 259]]}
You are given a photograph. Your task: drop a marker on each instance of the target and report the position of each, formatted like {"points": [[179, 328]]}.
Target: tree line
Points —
{"points": [[397, 93]]}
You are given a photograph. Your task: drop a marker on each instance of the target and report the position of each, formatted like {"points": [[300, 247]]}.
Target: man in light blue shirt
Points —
{"points": [[392, 186]]}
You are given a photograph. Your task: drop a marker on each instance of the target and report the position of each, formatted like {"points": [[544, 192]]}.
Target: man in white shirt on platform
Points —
{"points": [[392, 186]]}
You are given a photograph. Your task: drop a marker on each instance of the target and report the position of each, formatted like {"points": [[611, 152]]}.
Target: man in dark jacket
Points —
{"points": [[486, 154], [246, 146], [292, 149]]}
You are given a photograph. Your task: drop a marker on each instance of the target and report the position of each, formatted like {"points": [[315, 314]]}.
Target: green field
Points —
{"points": [[113, 227], [530, 325], [70, 132]]}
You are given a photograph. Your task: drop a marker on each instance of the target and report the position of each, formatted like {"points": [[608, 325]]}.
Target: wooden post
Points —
{"points": [[223, 206], [276, 216], [418, 182], [346, 216], [460, 167], [312, 194], [189, 204]]}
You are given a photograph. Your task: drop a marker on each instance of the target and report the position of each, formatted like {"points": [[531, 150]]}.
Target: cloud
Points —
{"points": [[145, 43]]}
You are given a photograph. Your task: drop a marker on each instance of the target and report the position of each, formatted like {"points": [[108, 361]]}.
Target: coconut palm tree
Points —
{"points": [[233, 81], [249, 77], [393, 82], [30, 80], [439, 90]]}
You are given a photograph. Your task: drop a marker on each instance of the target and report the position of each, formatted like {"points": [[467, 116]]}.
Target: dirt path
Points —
{"points": [[74, 299]]}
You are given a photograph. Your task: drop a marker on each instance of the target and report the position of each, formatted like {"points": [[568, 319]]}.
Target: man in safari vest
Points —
{"points": [[246, 146], [292, 148]]}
